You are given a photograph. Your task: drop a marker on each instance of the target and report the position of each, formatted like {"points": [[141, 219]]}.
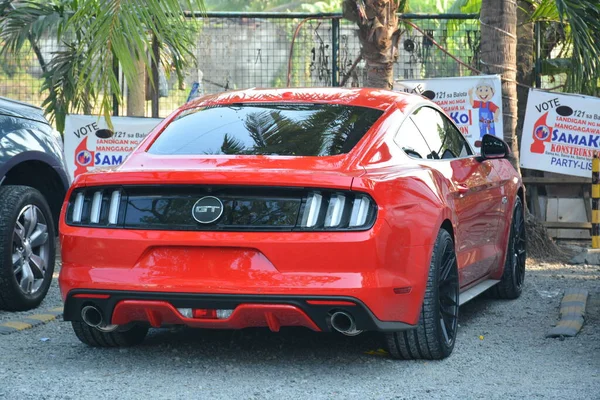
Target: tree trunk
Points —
{"points": [[498, 56], [514, 16], [525, 76], [136, 92], [525, 60], [378, 34]]}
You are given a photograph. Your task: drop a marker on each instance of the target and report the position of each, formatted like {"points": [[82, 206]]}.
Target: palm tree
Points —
{"points": [[96, 38], [377, 21], [499, 56], [525, 60], [578, 42]]}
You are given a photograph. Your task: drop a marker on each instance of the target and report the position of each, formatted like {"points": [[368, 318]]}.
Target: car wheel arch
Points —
{"points": [[448, 220], [447, 225], [506, 237], [41, 176]]}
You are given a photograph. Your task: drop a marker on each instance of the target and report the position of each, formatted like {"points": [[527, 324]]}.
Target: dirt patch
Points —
{"points": [[540, 246]]}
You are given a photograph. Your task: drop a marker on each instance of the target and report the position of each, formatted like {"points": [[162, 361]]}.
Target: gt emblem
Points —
{"points": [[207, 210], [203, 209]]}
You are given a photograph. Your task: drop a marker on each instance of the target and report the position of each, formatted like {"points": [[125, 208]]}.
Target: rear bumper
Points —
{"points": [[160, 309], [385, 279]]}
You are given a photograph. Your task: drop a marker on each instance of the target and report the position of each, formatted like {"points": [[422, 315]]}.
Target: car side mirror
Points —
{"points": [[493, 147]]}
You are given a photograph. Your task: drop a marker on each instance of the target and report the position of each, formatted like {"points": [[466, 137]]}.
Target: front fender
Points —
{"points": [[46, 158]]}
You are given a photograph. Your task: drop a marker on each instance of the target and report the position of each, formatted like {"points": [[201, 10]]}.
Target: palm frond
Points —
{"points": [[27, 21], [93, 34], [581, 19], [61, 80], [124, 29], [231, 145]]}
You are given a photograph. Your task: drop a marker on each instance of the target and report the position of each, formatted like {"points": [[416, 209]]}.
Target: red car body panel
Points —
{"points": [[384, 268], [216, 170], [159, 313], [309, 264]]}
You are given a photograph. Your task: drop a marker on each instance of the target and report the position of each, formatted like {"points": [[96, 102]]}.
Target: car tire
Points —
{"points": [[27, 248], [94, 337], [435, 334], [511, 283]]}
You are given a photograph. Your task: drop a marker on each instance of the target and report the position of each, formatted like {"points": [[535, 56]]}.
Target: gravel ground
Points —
{"points": [[501, 353]]}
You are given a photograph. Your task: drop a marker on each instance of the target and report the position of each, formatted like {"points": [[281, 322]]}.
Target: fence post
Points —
{"points": [[335, 30], [115, 100], [537, 67], [154, 90], [595, 201]]}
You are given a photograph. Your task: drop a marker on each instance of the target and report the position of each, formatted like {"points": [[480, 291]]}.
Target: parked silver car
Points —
{"points": [[33, 183]]}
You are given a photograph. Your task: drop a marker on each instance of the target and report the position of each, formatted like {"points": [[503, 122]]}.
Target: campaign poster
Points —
{"points": [[561, 132], [474, 103], [88, 144]]}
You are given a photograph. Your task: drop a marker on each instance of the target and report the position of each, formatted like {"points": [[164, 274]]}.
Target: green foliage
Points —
{"points": [[465, 7], [312, 6], [545, 10], [581, 23], [94, 34], [30, 21], [253, 5], [430, 6], [62, 81], [580, 20], [323, 6], [556, 66]]}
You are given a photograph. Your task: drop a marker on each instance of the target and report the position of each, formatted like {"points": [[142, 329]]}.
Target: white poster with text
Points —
{"points": [[474, 103], [89, 145], [560, 133]]}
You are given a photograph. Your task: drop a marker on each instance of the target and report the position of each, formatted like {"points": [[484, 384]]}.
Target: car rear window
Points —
{"points": [[266, 129]]}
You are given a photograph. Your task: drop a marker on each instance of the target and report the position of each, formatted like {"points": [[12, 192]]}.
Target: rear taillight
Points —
{"points": [[77, 209], [310, 217], [113, 211], [337, 211], [94, 207], [242, 209]]}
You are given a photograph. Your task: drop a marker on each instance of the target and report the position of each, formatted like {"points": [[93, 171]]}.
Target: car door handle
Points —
{"points": [[462, 189]]}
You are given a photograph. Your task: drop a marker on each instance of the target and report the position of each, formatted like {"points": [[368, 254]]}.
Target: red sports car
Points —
{"points": [[342, 210]]}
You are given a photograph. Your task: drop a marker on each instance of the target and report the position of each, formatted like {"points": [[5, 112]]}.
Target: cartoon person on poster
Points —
{"points": [[488, 111]]}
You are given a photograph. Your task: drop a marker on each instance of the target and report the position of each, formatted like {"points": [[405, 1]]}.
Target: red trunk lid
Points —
{"points": [[144, 168]]}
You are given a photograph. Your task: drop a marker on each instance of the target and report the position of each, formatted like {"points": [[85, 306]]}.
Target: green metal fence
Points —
{"points": [[241, 50]]}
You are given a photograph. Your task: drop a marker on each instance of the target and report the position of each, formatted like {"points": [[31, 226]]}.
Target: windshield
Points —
{"points": [[266, 129]]}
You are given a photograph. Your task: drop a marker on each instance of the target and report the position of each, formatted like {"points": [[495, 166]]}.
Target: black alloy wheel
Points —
{"points": [[513, 277], [448, 293], [435, 334], [27, 248], [519, 246]]}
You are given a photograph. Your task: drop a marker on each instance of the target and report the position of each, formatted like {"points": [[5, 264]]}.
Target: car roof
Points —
{"points": [[364, 97], [19, 109]]}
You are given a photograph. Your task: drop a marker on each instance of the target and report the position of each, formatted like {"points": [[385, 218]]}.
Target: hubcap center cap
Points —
{"points": [[26, 249]]}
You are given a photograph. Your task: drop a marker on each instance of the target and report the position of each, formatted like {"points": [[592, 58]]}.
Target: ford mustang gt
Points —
{"points": [[343, 210]]}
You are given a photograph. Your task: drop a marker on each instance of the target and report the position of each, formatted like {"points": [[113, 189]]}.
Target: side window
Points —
{"points": [[440, 134], [411, 141], [455, 140]]}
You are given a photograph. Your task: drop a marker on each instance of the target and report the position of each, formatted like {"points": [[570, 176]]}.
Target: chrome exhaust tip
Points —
{"points": [[91, 316], [343, 322]]}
